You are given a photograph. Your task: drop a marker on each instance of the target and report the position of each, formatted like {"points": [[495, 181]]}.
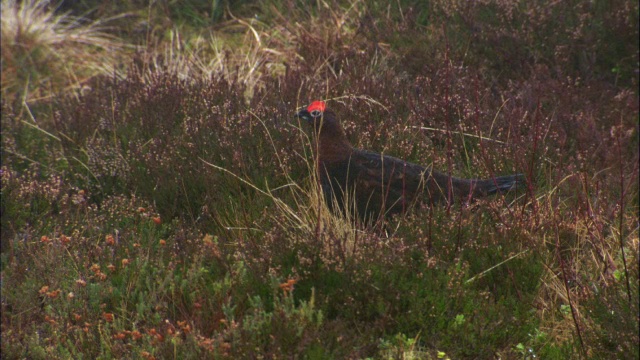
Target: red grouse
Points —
{"points": [[383, 185]]}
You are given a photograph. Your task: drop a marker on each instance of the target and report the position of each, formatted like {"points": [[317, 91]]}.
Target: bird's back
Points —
{"points": [[377, 184], [380, 185]]}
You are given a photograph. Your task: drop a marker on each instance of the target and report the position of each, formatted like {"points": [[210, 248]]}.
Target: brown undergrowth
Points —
{"points": [[172, 210]]}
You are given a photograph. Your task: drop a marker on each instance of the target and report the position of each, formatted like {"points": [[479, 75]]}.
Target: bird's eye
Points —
{"points": [[315, 113]]}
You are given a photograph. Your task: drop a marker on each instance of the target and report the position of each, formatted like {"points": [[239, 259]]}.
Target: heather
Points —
{"points": [[159, 199]]}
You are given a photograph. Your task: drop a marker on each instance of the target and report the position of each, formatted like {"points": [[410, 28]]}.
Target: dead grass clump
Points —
{"points": [[44, 52]]}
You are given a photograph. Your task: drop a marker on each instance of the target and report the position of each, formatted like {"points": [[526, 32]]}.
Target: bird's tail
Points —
{"points": [[498, 184]]}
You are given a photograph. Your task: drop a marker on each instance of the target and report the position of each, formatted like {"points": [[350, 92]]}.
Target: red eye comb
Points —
{"points": [[316, 105]]}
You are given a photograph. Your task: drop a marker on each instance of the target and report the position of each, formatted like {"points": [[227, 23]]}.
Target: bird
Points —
{"points": [[375, 186]]}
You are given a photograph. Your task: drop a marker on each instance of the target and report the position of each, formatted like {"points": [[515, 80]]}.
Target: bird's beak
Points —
{"points": [[303, 114]]}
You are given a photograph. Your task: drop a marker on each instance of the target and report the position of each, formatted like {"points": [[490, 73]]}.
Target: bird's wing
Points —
{"points": [[386, 183]]}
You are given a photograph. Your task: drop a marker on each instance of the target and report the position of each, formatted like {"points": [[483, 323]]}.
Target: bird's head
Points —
{"points": [[333, 143], [318, 116]]}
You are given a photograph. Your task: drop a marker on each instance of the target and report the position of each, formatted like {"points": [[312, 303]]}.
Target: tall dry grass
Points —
{"points": [[45, 52]]}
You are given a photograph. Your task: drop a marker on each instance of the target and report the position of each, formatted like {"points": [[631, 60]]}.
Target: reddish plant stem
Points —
{"points": [[567, 289], [621, 224]]}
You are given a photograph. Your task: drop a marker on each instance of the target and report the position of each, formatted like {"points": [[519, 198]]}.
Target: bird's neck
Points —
{"points": [[333, 145]]}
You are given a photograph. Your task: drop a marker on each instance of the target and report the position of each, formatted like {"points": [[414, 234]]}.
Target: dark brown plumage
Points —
{"points": [[384, 185]]}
